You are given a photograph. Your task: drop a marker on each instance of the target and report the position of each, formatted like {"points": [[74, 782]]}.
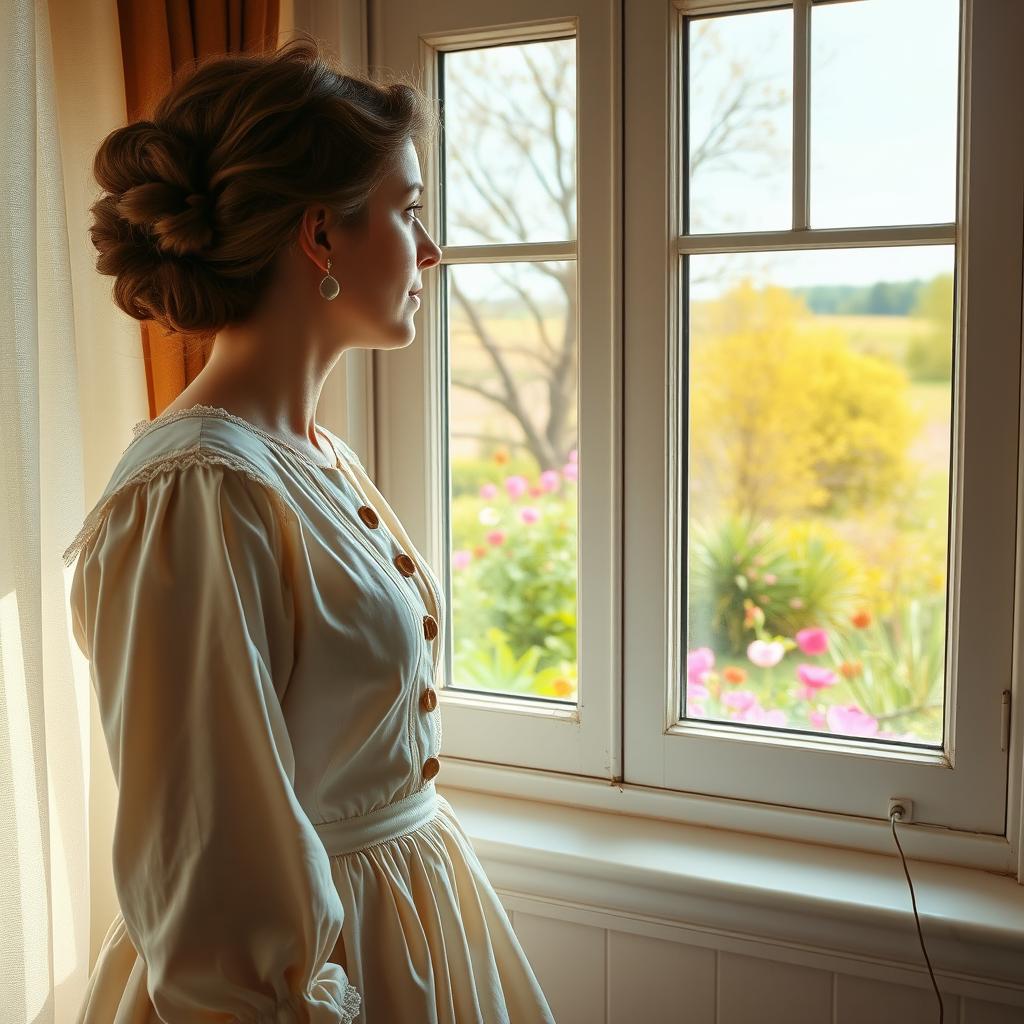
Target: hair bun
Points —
{"points": [[151, 176], [178, 218]]}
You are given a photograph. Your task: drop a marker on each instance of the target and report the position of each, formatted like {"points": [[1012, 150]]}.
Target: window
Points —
{"points": [[509, 160], [506, 369], [718, 390]]}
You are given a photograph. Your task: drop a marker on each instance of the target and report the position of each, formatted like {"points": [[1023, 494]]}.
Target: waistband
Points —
{"points": [[347, 835]]}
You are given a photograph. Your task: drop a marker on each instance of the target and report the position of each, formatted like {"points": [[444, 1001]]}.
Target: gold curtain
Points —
{"points": [[157, 38]]}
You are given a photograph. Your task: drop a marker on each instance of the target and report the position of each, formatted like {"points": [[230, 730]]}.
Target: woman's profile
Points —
{"points": [[264, 639]]}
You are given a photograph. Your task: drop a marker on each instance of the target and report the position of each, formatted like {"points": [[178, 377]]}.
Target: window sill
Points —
{"points": [[844, 902]]}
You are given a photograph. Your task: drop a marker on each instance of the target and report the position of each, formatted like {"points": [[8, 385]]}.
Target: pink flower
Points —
{"points": [[529, 514], [740, 700], [761, 716], [850, 719], [749, 710], [496, 537], [572, 455], [814, 678], [765, 654], [571, 471], [549, 480], [695, 710], [817, 719], [488, 491], [460, 559], [695, 691], [813, 640], [770, 578], [697, 663], [515, 486]]}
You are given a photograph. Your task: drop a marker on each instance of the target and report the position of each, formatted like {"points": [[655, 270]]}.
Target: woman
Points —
{"points": [[264, 640]]}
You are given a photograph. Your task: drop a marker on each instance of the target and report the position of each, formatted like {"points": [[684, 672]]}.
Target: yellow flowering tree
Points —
{"points": [[785, 417]]}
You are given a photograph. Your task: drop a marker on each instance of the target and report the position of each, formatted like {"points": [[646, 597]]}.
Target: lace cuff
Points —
{"points": [[330, 997]]}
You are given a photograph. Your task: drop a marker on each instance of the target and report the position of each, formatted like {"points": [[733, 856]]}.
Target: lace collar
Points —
{"points": [[143, 426]]}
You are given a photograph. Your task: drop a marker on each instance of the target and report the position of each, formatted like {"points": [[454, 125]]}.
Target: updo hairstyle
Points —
{"points": [[199, 198]]}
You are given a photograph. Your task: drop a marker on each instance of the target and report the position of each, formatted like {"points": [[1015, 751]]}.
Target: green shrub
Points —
{"points": [[798, 573]]}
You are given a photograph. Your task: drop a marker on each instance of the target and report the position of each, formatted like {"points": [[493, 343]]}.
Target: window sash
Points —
{"points": [[963, 787], [528, 733]]}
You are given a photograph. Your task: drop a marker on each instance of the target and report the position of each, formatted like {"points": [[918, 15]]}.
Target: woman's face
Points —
{"points": [[379, 263]]}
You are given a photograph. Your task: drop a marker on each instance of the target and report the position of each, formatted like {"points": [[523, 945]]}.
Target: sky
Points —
{"points": [[883, 137], [883, 104]]}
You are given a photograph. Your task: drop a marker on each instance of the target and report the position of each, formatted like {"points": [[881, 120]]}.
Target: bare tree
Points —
{"points": [[533, 143]]}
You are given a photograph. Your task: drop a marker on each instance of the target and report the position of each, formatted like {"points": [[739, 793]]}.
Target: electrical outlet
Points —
{"points": [[907, 805]]}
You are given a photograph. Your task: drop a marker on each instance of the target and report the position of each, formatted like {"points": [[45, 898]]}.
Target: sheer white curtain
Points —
{"points": [[70, 370], [44, 743]]}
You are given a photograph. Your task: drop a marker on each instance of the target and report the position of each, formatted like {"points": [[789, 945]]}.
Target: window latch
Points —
{"points": [[1005, 731]]}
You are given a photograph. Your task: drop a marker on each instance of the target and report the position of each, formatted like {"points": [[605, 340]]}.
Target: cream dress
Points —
{"points": [[264, 642]]}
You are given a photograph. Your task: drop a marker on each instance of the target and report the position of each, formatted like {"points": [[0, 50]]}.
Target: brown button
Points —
{"points": [[369, 517], [428, 701], [431, 767], [429, 627], [406, 566]]}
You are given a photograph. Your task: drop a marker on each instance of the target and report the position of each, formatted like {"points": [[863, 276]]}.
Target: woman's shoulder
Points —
{"points": [[178, 443]]}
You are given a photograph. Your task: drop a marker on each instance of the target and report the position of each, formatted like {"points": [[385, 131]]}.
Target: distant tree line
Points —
{"points": [[885, 298]]}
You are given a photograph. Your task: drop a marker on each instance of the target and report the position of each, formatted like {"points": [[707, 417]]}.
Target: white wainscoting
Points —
{"points": [[595, 969], [614, 943]]}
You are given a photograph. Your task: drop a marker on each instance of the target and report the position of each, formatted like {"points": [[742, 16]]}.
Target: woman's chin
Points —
{"points": [[402, 334]]}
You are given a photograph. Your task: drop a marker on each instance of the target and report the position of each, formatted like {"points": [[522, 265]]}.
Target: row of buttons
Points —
{"points": [[406, 566]]}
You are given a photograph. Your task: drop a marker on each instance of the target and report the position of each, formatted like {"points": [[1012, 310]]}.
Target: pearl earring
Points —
{"points": [[329, 287]]}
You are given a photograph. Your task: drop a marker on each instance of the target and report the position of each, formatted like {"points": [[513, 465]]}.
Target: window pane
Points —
{"points": [[883, 112], [513, 451], [740, 122], [819, 469], [510, 143]]}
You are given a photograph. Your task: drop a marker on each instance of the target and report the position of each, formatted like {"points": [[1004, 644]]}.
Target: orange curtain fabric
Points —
{"points": [[157, 38]]}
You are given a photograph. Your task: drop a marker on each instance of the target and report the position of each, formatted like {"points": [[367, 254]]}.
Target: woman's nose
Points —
{"points": [[433, 254]]}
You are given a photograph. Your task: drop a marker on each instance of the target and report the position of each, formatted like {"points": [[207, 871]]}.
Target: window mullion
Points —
{"points": [[801, 113]]}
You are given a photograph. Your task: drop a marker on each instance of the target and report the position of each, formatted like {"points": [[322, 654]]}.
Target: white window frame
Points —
{"points": [[528, 733], [968, 799], [964, 787]]}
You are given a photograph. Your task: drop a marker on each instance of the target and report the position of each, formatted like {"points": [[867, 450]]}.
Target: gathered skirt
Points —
{"points": [[425, 938]]}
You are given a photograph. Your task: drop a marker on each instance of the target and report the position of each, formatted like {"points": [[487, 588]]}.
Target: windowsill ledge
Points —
{"points": [[845, 902]]}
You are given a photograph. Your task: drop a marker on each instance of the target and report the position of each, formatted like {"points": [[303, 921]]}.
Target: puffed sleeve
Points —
{"points": [[183, 604]]}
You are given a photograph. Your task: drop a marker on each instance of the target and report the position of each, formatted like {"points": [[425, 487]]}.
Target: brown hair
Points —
{"points": [[200, 198]]}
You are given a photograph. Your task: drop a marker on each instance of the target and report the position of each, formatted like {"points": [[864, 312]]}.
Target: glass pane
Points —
{"points": [[513, 451], [819, 471], [740, 122], [883, 112], [510, 143]]}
